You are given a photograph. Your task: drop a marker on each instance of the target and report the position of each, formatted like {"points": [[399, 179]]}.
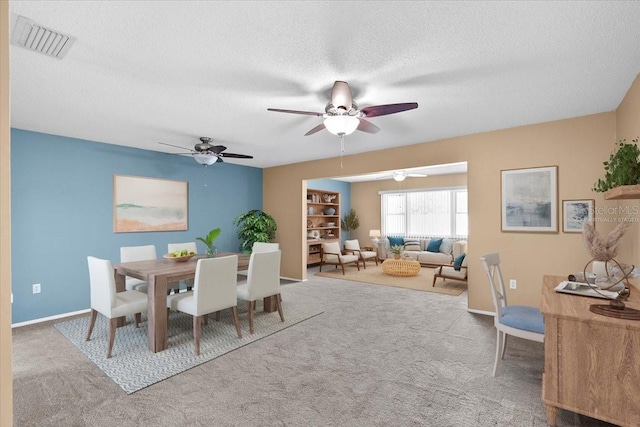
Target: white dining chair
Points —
{"points": [[263, 280], [106, 301], [214, 289], [189, 246], [258, 247], [137, 253], [517, 320]]}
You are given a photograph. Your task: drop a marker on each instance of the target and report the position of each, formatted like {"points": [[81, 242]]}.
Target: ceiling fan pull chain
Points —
{"points": [[341, 149], [205, 175]]}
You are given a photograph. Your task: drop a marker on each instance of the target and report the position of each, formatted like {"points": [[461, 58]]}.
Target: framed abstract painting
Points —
{"points": [[149, 204], [530, 199], [575, 212]]}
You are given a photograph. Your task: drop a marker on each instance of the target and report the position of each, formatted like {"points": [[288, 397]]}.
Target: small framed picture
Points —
{"points": [[575, 212]]}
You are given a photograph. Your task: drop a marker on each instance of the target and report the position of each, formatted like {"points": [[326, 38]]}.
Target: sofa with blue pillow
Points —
{"points": [[434, 251]]}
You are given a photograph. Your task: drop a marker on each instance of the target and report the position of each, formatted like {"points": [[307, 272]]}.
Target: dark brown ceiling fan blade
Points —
{"points": [[176, 146], [306, 113], [383, 110], [368, 127], [341, 95], [217, 148], [315, 129], [234, 156]]}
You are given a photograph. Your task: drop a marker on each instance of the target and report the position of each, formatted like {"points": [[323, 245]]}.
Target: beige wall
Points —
{"points": [[577, 146], [6, 384]]}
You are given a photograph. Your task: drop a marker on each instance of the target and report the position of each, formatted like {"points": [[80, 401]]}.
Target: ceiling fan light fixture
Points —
{"points": [[205, 159], [341, 125], [399, 176]]}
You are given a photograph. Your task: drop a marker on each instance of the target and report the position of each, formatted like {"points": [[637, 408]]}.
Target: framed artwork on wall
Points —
{"points": [[529, 199], [149, 204], [575, 212]]}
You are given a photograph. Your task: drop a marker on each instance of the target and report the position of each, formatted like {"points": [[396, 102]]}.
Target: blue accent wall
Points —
{"points": [[344, 188], [62, 211]]}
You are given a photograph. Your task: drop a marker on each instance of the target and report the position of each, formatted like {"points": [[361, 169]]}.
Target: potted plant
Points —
{"points": [[396, 250], [623, 167], [350, 222], [254, 226], [209, 239]]}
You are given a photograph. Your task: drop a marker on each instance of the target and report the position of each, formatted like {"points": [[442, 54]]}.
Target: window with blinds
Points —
{"points": [[425, 213]]}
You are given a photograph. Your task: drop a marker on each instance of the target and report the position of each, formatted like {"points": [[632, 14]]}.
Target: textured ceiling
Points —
{"points": [[142, 72]]}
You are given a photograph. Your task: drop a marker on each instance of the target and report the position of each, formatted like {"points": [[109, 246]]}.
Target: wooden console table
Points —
{"points": [[591, 362]]}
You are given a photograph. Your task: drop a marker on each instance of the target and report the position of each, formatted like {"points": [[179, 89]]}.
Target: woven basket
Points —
{"points": [[400, 267]]}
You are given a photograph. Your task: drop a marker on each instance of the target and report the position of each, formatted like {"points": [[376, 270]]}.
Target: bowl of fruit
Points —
{"points": [[180, 256]]}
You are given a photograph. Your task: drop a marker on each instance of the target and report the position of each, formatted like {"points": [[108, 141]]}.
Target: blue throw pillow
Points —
{"points": [[393, 241], [458, 261], [434, 245]]}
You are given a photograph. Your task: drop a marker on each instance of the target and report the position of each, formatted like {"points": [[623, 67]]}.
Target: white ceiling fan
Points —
{"points": [[401, 175]]}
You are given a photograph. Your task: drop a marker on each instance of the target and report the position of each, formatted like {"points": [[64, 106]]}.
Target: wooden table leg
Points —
{"points": [[270, 304], [157, 313], [120, 287], [552, 411]]}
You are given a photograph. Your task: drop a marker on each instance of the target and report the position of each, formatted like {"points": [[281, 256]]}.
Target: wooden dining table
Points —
{"points": [[158, 273]]}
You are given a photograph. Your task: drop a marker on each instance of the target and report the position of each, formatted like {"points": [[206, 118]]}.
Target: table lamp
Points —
{"points": [[374, 234]]}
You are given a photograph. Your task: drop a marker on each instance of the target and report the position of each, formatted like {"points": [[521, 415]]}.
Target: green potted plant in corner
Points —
{"points": [[622, 168], [254, 226], [209, 239], [350, 222]]}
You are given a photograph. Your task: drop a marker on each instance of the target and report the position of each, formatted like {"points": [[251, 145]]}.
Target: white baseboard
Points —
{"points": [[46, 319], [486, 313]]}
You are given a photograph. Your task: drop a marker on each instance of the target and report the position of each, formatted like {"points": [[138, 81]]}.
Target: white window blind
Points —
{"points": [[424, 213]]}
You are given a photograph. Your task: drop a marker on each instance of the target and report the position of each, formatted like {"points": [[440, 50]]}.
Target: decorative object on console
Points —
{"points": [[605, 249], [530, 199]]}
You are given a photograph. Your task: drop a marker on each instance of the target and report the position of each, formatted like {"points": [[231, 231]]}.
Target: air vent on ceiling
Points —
{"points": [[37, 38]]}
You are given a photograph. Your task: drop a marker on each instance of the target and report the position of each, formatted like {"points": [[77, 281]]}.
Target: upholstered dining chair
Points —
{"points": [[517, 320], [106, 301], [214, 289], [263, 280], [137, 253], [261, 247], [353, 247], [189, 246], [332, 255]]}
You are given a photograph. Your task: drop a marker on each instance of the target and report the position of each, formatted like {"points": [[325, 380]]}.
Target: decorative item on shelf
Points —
{"points": [[622, 168], [309, 223], [313, 234], [254, 226], [311, 210], [208, 240], [328, 198], [375, 237], [396, 250], [614, 283], [350, 222], [329, 211]]}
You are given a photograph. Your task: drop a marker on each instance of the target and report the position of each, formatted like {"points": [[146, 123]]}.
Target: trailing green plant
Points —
{"points": [[209, 239], [254, 226], [622, 168], [350, 222]]}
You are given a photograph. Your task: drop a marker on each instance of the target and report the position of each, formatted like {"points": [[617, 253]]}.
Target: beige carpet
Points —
{"points": [[375, 275]]}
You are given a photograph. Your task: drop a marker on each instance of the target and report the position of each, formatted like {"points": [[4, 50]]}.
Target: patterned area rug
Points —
{"points": [[374, 275], [133, 367]]}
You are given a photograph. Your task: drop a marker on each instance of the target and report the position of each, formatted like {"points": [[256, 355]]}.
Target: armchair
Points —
{"points": [[330, 254]]}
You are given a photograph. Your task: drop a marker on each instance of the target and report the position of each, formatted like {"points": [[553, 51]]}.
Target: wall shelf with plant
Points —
{"points": [[622, 173]]}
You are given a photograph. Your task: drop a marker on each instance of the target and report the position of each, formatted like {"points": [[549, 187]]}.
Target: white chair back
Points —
{"points": [[491, 265], [259, 247], [190, 246], [103, 285], [215, 284], [330, 248], [353, 245], [137, 253], [263, 279]]}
